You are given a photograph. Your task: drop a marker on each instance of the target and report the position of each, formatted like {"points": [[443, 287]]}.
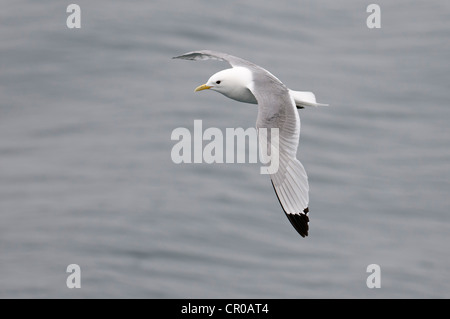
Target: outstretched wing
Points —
{"points": [[214, 55], [276, 109]]}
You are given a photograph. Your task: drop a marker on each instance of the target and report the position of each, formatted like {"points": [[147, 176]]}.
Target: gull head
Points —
{"points": [[233, 83]]}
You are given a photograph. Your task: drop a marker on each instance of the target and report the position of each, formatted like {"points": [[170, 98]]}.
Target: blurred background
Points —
{"points": [[86, 175]]}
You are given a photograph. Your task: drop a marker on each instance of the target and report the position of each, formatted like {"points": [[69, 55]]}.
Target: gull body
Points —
{"points": [[277, 108]]}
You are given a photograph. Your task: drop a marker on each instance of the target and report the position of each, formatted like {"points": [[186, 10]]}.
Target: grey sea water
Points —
{"points": [[86, 175]]}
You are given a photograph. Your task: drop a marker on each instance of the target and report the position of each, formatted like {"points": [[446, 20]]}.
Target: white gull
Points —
{"points": [[277, 108]]}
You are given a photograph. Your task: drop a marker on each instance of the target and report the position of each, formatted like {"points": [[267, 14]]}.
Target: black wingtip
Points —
{"points": [[300, 222]]}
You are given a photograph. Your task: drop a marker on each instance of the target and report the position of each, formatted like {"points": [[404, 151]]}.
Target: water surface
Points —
{"points": [[86, 175]]}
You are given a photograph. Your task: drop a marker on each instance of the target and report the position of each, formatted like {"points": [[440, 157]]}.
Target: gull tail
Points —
{"points": [[304, 99]]}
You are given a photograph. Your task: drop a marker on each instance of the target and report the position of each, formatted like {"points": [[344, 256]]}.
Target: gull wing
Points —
{"points": [[214, 55], [276, 109]]}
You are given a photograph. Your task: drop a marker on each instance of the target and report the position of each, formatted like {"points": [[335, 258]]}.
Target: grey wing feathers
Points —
{"points": [[276, 109], [234, 61], [214, 55]]}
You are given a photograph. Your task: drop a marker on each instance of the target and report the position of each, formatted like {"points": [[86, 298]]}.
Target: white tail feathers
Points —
{"points": [[303, 99]]}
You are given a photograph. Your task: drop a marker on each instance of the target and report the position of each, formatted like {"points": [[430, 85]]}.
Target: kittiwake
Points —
{"points": [[277, 108]]}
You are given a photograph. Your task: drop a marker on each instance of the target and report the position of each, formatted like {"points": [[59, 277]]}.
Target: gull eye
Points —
{"points": [[217, 82]]}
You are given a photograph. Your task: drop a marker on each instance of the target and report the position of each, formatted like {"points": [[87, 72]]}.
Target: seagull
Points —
{"points": [[277, 108]]}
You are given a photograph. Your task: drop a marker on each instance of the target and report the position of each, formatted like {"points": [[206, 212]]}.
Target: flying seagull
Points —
{"points": [[277, 108]]}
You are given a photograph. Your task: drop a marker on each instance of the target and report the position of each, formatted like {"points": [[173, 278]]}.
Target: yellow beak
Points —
{"points": [[202, 87]]}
